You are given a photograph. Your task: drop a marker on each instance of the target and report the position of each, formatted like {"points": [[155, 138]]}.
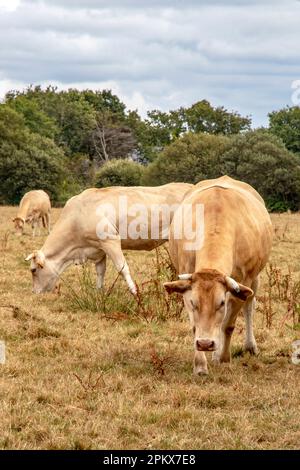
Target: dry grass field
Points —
{"points": [[84, 371]]}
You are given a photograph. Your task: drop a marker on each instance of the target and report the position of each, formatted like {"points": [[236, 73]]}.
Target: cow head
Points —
{"points": [[43, 275], [19, 225], [205, 296]]}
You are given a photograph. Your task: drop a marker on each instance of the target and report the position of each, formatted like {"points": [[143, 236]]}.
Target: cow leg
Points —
{"points": [[200, 363], [112, 248], [44, 221], [48, 221], [227, 328], [248, 310], [33, 226], [100, 270], [39, 223]]}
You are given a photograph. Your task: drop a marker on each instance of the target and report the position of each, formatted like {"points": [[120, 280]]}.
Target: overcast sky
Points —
{"points": [[162, 54]]}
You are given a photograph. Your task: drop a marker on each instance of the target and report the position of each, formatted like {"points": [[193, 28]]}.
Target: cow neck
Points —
{"points": [[58, 250], [216, 253], [23, 210]]}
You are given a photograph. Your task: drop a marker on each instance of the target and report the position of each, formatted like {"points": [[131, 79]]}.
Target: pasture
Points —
{"points": [[86, 371]]}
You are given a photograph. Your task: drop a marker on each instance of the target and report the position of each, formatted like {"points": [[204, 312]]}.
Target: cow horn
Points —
{"points": [[232, 283], [185, 277], [29, 257]]}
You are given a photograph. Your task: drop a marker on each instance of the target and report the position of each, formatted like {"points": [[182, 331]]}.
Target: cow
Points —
{"points": [[35, 207], [97, 223], [219, 274]]}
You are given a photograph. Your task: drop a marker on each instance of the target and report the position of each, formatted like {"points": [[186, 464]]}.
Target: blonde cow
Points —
{"points": [[34, 209], [102, 222], [219, 276]]}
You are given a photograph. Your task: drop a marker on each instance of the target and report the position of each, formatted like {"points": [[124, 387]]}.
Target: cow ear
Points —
{"points": [[40, 259], [177, 286], [238, 290]]}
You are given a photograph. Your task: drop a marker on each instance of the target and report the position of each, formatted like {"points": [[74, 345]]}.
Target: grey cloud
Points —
{"points": [[141, 4], [237, 54]]}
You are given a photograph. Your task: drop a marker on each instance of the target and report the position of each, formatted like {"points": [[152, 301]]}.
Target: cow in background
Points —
{"points": [[92, 225], [34, 209]]}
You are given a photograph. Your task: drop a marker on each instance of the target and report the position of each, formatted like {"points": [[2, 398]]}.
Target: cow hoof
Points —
{"points": [[224, 359], [251, 348], [215, 358], [200, 371]]}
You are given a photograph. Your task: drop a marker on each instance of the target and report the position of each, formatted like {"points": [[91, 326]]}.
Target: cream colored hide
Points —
{"points": [[34, 209], [220, 278], [88, 230]]}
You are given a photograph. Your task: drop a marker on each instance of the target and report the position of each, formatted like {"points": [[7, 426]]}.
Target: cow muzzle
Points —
{"points": [[37, 290], [49, 288], [203, 344]]}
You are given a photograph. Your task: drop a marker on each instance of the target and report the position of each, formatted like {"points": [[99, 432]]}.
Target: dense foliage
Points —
{"points": [[263, 161], [285, 123], [190, 159], [27, 160], [257, 157], [119, 173], [65, 141]]}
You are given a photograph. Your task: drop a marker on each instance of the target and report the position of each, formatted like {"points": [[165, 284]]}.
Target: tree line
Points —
{"points": [[66, 141]]}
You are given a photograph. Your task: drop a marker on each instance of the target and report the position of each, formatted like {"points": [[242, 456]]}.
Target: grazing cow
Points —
{"points": [[100, 222], [221, 275], [35, 207]]}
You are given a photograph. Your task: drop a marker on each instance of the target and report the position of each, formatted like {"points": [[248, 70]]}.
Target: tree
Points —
{"points": [[261, 159], [98, 125], [119, 173], [168, 126], [191, 158], [27, 160], [150, 139], [256, 157], [72, 115], [110, 139], [105, 100], [82, 122], [40, 128], [200, 117], [34, 118], [285, 124]]}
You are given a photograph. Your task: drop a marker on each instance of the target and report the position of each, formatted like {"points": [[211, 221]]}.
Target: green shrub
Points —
{"points": [[277, 206], [285, 123], [256, 157], [261, 159], [189, 159], [119, 173]]}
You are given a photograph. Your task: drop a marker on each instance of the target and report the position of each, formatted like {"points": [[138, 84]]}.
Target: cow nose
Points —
{"points": [[36, 291], [205, 345]]}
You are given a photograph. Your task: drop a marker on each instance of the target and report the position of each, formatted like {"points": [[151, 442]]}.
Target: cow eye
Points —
{"points": [[222, 303], [33, 270]]}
